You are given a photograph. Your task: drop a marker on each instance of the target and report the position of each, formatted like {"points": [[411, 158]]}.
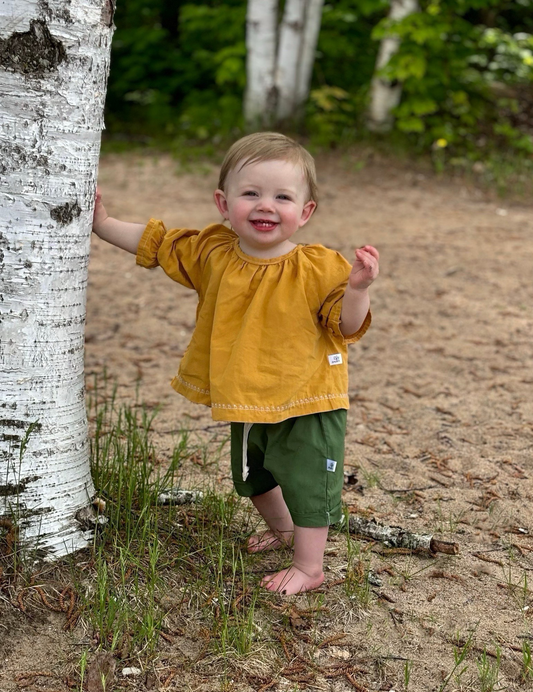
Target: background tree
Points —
{"points": [[54, 60], [279, 59], [385, 94]]}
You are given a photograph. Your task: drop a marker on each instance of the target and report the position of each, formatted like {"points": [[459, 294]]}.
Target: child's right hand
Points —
{"points": [[123, 234], [100, 214]]}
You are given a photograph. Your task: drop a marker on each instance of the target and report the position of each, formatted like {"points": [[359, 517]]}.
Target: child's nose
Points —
{"points": [[266, 204]]}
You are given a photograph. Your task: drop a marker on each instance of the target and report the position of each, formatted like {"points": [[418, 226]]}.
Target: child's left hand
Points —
{"points": [[365, 268]]}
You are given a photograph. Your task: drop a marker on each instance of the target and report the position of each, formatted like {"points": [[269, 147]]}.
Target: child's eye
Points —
{"points": [[284, 197], [249, 193]]}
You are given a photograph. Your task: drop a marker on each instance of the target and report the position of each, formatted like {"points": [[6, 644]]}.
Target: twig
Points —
{"points": [[397, 537], [408, 490], [331, 640], [480, 556]]}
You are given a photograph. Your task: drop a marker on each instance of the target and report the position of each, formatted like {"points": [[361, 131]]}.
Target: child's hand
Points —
{"points": [[100, 214], [365, 268]]}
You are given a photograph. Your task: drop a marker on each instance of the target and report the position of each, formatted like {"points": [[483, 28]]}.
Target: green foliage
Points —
{"points": [[465, 66], [450, 69], [178, 69]]}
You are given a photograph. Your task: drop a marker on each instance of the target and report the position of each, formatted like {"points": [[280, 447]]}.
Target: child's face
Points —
{"points": [[266, 203]]}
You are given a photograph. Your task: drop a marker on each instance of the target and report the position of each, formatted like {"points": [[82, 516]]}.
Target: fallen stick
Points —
{"points": [[176, 496], [397, 537]]}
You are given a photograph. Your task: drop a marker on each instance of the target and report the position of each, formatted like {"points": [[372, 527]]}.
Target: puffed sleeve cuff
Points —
{"points": [[333, 324], [150, 243]]}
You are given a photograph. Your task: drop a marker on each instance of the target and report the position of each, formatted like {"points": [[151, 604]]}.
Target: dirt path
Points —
{"points": [[441, 391]]}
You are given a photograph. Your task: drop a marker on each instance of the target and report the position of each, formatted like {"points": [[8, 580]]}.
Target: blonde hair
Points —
{"points": [[269, 146]]}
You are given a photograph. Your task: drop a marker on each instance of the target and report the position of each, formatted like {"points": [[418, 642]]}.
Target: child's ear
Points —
{"points": [[307, 212], [222, 203]]}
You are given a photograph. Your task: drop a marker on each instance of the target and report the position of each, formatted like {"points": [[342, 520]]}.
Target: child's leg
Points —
{"points": [[271, 506], [306, 572]]}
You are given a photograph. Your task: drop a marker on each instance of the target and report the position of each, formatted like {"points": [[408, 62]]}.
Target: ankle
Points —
{"points": [[312, 570]]}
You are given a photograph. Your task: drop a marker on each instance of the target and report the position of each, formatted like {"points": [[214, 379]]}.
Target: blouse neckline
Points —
{"points": [[263, 260]]}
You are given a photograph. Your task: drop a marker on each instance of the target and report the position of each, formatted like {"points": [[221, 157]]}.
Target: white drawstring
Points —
{"points": [[245, 467]]}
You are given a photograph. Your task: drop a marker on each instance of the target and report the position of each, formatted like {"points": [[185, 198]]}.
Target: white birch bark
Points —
{"points": [[313, 20], [279, 59], [54, 61], [261, 44], [288, 58], [384, 96]]}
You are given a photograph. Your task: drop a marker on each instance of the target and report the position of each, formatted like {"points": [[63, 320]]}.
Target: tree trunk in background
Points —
{"points": [[385, 96], [288, 58], [261, 29], [313, 20], [54, 61], [285, 71]]}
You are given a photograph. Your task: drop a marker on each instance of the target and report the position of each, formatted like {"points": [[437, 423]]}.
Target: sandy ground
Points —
{"points": [[441, 406]]}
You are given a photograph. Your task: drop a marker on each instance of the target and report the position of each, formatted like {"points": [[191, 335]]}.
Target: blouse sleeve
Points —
{"points": [[182, 252], [329, 315]]}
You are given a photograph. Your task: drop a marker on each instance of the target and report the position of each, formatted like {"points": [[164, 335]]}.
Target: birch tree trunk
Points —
{"points": [[288, 57], [54, 61], [261, 42], [313, 20], [384, 95], [279, 59]]}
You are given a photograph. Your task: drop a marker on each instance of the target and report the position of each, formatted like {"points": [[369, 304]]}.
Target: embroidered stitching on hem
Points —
{"points": [[309, 400], [191, 386]]}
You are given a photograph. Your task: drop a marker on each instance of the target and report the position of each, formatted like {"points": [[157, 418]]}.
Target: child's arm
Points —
{"points": [[356, 302], [123, 234]]}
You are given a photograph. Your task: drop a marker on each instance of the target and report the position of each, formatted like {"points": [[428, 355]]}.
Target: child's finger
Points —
{"points": [[372, 250], [368, 261], [365, 257]]}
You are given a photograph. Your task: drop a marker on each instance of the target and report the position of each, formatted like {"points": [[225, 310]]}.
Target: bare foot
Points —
{"points": [[291, 581], [269, 540]]}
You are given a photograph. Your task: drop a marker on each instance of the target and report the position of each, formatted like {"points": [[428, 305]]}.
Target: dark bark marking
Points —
{"points": [[62, 13], [12, 489], [34, 52], [66, 213], [108, 12]]}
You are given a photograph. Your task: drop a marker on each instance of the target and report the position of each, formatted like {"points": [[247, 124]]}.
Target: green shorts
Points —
{"points": [[304, 456]]}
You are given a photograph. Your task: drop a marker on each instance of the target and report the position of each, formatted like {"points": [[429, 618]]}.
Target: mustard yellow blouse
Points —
{"points": [[267, 344]]}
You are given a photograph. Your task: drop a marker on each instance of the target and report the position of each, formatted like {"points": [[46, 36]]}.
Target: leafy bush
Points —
{"points": [[178, 71]]}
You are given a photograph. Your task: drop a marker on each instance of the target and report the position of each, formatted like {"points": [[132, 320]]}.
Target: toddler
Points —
{"points": [[269, 350]]}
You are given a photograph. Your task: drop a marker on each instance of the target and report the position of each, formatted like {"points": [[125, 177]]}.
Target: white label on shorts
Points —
{"points": [[335, 359], [331, 465]]}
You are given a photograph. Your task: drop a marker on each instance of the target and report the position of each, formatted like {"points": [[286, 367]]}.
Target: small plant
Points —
{"points": [[407, 667], [371, 478], [488, 671], [459, 656], [518, 591], [447, 521], [356, 584], [527, 662], [83, 668]]}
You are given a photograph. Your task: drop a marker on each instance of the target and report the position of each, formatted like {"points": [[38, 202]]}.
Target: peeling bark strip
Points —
{"points": [[397, 537], [108, 12], [32, 52]]}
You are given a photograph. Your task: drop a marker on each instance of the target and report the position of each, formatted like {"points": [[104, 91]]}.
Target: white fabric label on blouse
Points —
{"points": [[331, 465], [335, 359]]}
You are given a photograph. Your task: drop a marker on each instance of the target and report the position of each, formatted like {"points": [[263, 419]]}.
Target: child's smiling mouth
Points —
{"points": [[263, 224]]}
